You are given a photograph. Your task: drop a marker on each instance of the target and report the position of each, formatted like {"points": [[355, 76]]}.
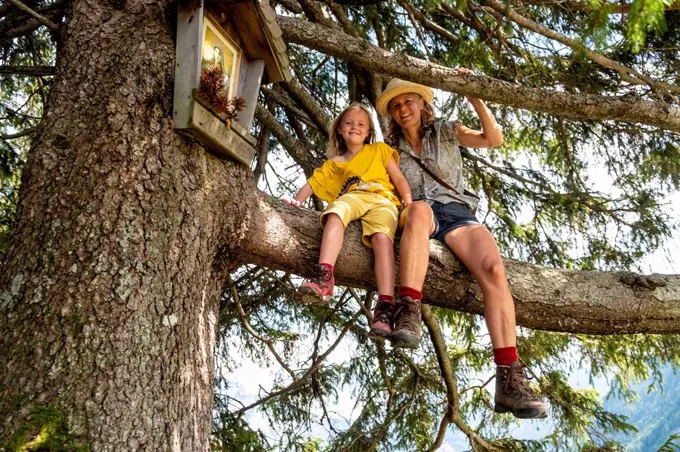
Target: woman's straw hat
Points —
{"points": [[396, 87]]}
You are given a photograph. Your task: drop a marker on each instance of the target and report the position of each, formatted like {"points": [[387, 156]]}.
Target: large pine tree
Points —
{"points": [[115, 284]]}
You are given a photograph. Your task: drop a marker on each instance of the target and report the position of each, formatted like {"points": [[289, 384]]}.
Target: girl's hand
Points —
{"points": [[404, 205], [294, 202]]}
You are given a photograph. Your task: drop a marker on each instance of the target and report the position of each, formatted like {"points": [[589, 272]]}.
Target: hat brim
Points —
{"points": [[406, 87]]}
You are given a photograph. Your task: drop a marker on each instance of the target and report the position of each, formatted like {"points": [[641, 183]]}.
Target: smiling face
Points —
{"points": [[355, 127], [406, 110]]}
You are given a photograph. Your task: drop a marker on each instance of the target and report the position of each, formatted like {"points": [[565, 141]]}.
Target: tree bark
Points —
{"points": [[572, 106], [288, 238], [109, 289]]}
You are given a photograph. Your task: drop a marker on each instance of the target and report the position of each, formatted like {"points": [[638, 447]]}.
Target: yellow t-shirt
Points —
{"points": [[367, 171]]}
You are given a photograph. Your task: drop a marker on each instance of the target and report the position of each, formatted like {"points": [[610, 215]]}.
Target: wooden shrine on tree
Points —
{"points": [[225, 51]]}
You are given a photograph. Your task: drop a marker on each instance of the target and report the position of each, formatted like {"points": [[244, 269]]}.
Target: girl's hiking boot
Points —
{"points": [[407, 323], [514, 395], [381, 327], [317, 289]]}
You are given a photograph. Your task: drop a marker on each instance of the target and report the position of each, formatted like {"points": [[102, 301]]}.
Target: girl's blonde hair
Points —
{"points": [[336, 144], [395, 133]]}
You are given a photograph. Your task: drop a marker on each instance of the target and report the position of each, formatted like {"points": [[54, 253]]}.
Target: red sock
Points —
{"points": [[385, 298], [410, 292], [328, 266], [505, 356]]}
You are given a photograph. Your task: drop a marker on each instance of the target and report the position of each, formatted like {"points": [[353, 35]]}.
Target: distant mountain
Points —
{"points": [[655, 415]]}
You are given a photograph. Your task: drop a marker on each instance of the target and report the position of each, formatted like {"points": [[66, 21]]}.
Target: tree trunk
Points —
{"points": [[590, 302], [572, 106], [109, 289]]}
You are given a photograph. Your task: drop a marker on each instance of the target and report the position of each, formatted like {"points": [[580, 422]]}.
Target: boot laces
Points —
{"points": [[406, 315], [322, 275], [382, 313], [517, 381]]}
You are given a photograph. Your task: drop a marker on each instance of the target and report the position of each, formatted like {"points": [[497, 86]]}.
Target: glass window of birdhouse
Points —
{"points": [[219, 53]]}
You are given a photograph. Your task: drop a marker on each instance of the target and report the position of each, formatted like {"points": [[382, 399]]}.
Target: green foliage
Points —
{"points": [[399, 398], [645, 16], [671, 445], [46, 429], [230, 433], [22, 101], [543, 198]]}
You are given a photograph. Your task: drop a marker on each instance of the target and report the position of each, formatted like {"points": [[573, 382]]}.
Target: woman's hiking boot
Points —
{"points": [[407, 323], [317, 289], [381, 327], [514, 395]]}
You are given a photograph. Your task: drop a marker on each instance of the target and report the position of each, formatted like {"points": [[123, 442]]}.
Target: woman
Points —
{"points": [[443, 210]]}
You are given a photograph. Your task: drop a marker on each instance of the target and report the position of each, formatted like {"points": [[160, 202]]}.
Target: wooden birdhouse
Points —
{"points": [[225, 51]]}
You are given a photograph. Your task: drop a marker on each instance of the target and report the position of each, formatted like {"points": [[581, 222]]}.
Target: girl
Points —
{"points": [[358, 182]]}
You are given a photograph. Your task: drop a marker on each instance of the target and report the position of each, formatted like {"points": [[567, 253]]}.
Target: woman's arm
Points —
{"points": [[301, 196], [400, 181], [491, 134]]}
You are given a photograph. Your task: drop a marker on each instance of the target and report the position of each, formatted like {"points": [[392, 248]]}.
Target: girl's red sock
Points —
{"points": [[328, 266], [505, 356], [405, 291]]}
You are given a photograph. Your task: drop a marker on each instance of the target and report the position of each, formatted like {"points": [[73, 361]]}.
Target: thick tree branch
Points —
{"points": [[42, 19], [281, 97], [28, 71], [574, 106], [314, 12], [309, 104], [13, 17], [590, 302]]}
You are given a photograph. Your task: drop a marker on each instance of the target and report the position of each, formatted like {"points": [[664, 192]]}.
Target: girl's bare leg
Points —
{"points": [[333, 237], [383, 249]]}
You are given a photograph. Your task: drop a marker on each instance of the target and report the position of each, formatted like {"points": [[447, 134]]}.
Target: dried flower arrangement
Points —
{"points": [[211, 89]]}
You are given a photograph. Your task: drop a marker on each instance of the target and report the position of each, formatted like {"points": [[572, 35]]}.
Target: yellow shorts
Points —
{"points": [[377, 213]]}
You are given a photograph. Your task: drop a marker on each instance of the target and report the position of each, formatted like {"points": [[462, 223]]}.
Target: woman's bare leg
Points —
{"points": [[476, 248], [417, 222]]}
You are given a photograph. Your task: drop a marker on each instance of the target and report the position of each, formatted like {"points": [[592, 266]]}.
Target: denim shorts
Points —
{"points": [[448, 217]]}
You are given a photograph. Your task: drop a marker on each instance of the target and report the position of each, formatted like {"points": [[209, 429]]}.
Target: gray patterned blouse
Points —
{"points": [[441, 155]]}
